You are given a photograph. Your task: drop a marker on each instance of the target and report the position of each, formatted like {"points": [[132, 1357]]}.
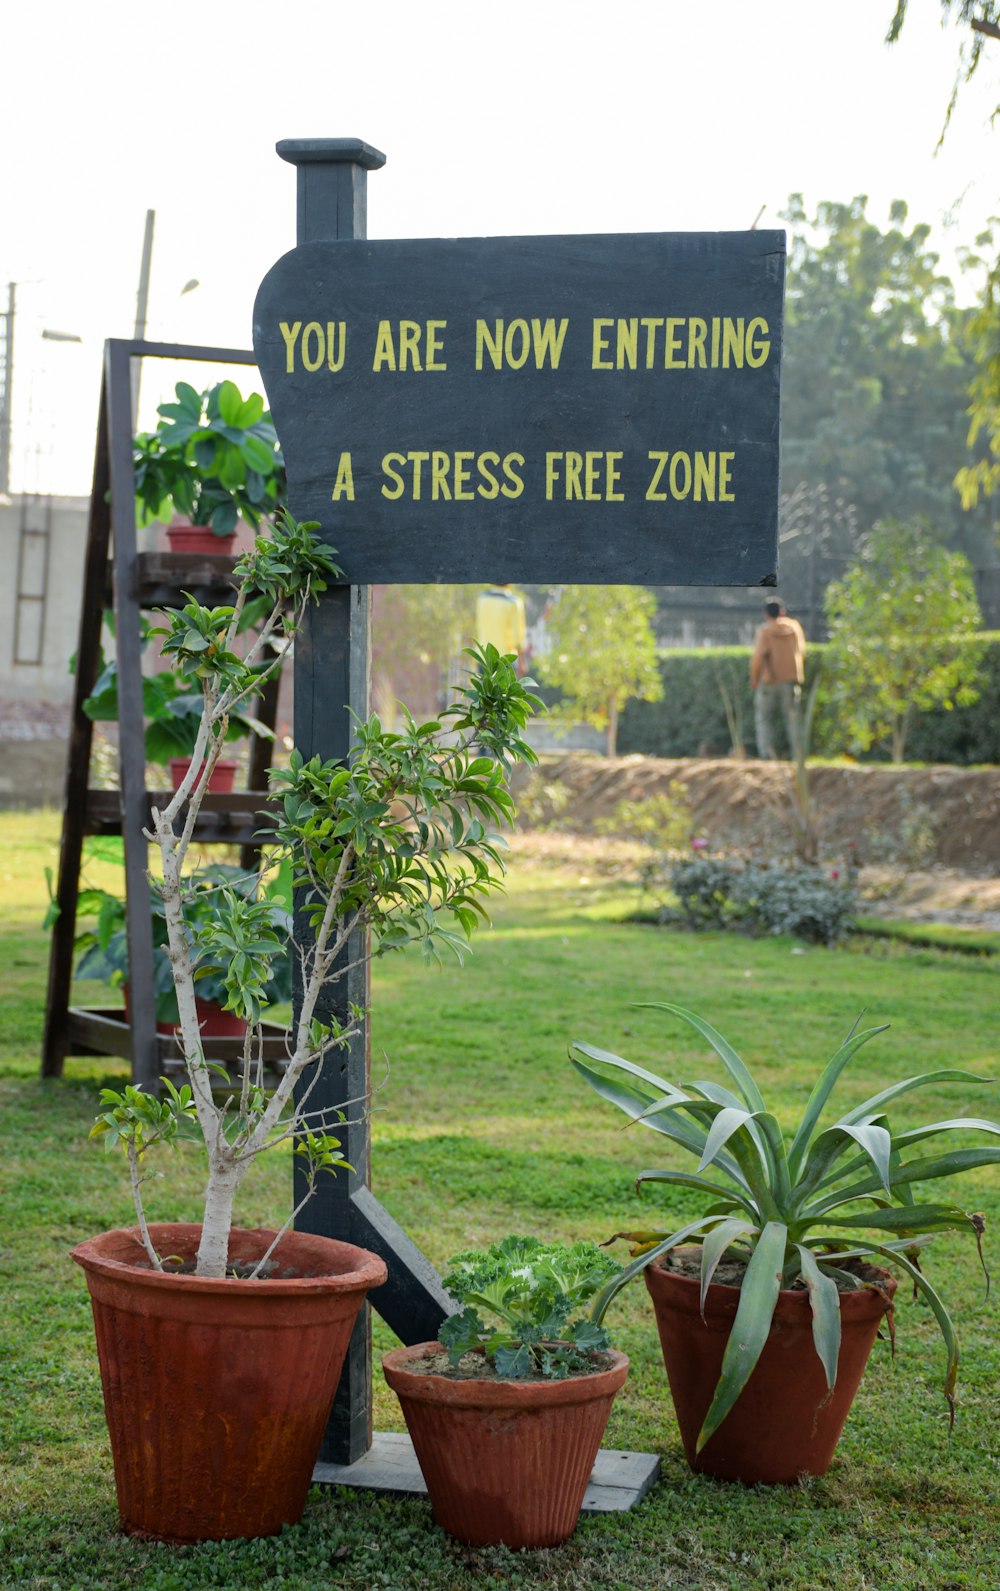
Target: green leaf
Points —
{"points": [[731, 1061], [821, 1093], [726, 1123], [639, 1264], [909, 1218], [648, 1100], [685, 1179], [714, 1247], [944, 1075], [824, 1300], [940, 1314], [929, 1170], [751, 1327]]}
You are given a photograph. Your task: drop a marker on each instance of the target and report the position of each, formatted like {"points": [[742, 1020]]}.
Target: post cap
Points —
{"points": [[330, 151]]}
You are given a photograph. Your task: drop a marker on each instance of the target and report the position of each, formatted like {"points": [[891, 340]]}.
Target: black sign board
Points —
{"points": [[595, 409]]}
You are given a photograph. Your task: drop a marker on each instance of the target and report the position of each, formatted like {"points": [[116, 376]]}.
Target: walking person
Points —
{"points": [[777, 669]]}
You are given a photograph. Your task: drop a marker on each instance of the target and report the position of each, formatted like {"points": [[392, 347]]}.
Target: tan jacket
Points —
{"points": [[779, 653]]}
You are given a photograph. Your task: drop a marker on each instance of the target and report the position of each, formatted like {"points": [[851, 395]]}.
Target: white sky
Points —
{"points": [[534, 116]]}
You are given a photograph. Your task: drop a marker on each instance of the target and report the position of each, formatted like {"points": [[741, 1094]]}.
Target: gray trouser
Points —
{"points": [[766, 699]]}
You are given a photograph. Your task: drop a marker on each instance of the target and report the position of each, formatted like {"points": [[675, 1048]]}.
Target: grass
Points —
{"points": [[933, 936], [481, 1129]]}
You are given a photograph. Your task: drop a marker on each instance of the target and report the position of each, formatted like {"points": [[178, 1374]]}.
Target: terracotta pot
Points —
{"points": [[223, 774], [215, 1022], [217, 1392], [786, 1422], [504, 1461], [188, 538]]}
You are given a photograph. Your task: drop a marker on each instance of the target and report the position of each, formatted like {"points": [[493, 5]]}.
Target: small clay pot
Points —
{"points": [[187, 538], [223, 774], [504, 1461]]}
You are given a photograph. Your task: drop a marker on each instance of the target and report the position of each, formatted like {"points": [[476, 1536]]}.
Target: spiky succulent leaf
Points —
{"points": [[754, 1313], [824, 1301], [714, 1247], [727, 1055], [822, 1090]]}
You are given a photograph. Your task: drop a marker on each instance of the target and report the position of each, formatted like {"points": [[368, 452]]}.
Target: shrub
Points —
{"points": [[705, 888], [805, 901], [713, 892]]}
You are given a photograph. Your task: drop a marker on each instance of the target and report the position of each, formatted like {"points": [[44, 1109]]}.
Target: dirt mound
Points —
{"points": [[936, 816]]}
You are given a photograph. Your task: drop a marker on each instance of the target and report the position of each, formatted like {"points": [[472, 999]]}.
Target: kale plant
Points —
{"points": [[533, 1292]]}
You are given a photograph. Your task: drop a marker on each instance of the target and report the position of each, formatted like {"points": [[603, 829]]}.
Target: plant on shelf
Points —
{"points": [[793, 1225], [173, 717], [212, 460], [400, 841], [102, 948], [506, 1412]]}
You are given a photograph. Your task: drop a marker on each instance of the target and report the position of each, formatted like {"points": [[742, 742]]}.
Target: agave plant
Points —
{"points": [[796, 1211]]}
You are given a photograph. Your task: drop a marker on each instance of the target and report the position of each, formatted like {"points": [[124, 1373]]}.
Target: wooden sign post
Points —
{"points": [[597, 409]]}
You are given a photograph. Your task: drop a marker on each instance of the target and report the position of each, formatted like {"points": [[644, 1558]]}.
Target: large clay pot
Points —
{"points": [[786, 1422], [217, 1393], [504, 1461]]}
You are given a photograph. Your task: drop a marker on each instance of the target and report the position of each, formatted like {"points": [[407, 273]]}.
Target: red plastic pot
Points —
{"points": [[217, 1392], [223, 774], [188, 538], [786, 1422], [504, 1461]]}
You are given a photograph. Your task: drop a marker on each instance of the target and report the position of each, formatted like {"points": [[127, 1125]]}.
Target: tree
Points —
{"points": [[902, 623], [982, 19], [983, 476], [399, 842], [876, 372], [603, 653], [418, 634]]}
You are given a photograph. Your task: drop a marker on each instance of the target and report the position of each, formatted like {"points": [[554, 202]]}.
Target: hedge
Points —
{"points": [[691, 719]]}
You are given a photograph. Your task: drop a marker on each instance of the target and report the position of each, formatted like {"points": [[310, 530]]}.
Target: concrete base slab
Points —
{"points": [[619, 1479]]}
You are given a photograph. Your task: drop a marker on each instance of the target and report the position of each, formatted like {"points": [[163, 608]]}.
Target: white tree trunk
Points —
{"points": [[223, 1181]]}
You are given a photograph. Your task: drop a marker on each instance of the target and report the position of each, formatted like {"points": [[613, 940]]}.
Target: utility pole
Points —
{"points": [[142, 300], [6, 383]]}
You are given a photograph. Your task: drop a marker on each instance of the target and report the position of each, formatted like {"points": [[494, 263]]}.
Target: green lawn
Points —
{"points": [[481, 1128]]}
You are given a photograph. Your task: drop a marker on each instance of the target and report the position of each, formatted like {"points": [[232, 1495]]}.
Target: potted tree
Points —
{"points": [[506, 1413], [220, 1349], [212, 460], [768, 1304]]}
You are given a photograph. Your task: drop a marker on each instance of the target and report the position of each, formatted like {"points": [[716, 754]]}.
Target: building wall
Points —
{"points": [[43, 542], [42, 547]]}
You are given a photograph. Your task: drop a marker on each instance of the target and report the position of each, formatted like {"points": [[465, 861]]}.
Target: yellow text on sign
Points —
{"points": [[451, 477], [319, 344], [510, 344], [591, 477], [409, 345], [673, 342], [705, 477]]}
